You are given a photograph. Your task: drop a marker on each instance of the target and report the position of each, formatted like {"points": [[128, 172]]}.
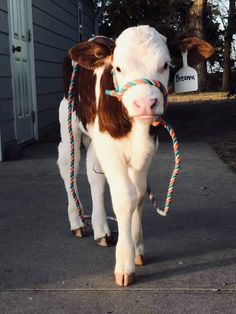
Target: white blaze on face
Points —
{"points": [[141, 52]]}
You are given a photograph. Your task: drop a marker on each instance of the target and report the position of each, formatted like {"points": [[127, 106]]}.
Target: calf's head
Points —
{"points": [[141, 52], [138, 53]]}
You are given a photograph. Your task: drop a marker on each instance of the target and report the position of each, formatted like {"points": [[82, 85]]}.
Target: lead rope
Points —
{"points": [[164, 212], [167, 126], [70, 100]]}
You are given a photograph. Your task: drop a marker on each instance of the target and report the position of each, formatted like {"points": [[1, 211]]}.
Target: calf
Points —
{"points": [[121, 142]]}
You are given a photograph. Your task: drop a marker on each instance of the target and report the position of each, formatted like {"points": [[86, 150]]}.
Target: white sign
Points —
{"points": [[186, 79]]}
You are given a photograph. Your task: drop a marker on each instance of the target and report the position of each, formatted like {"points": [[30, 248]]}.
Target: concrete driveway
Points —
{"points": [[190, 254]]}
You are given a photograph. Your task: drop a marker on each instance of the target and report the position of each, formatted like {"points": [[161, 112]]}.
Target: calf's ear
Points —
{"points": [[198, 50], [93, 53]]}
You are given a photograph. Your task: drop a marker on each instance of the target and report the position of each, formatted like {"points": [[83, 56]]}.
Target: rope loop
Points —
{"points": [[165, 211]]}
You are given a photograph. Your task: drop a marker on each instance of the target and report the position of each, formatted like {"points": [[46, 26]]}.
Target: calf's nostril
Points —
{"points": [[146, 106], [153, 103]]}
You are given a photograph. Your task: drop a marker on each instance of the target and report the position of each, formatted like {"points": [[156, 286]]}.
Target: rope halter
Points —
{"points": [[119, 92]]}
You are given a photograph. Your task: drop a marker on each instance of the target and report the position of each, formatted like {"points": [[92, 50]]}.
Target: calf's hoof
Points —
{"points": [[106, 241], [124, 279], [138, 261], [79, 233]]}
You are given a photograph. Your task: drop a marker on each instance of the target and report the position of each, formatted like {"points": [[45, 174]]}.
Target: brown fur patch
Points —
{"points": [[92, 54], [113, 116], [86, 106], [198, 51], [84, 91]]}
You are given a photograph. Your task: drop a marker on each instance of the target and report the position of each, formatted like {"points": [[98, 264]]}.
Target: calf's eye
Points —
{"points": [[118, 69]]}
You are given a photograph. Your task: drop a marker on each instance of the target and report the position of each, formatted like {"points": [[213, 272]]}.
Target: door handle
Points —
{"points": [[16, 48]]}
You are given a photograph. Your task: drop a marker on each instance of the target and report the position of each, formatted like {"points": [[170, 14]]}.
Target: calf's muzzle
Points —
{"points": [[145, 107]]}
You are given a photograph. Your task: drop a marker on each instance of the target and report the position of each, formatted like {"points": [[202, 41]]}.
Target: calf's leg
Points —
{"points": [[97, 182], [138, 179], [76, 225], [124, 201], [137, 236]]}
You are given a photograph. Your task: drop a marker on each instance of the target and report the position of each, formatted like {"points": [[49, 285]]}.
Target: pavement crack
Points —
{"points": [[165, 290]]}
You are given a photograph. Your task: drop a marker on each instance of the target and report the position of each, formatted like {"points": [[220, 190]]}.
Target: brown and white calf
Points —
{"points": [[121, 137]]}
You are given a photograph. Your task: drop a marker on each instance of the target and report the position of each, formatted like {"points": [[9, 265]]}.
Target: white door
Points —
{"points": [[20, 30]]}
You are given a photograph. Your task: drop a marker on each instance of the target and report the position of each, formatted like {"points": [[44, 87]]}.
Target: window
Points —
{"points": [[80, 21]]}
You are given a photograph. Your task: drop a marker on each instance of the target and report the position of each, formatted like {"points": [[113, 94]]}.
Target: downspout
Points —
{"points": [[99, 13], [1, 151]]}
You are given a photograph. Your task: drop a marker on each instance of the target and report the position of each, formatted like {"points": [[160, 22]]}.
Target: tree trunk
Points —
{"points": [[194, 28], [227, 46]]}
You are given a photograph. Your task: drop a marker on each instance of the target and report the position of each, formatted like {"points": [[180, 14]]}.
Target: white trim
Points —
{"points": [[32, 67], [11, 60]]}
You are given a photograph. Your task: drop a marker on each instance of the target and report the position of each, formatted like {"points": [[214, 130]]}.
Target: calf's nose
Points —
{"points": [[145, 106]]}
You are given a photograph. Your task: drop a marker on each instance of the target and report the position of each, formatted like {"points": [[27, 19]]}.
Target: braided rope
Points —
{"points": [[175, 172], [70, 100]]}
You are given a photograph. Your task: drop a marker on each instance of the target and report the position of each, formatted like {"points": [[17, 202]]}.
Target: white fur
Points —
{"points": [[98, 72], [140, 52]]}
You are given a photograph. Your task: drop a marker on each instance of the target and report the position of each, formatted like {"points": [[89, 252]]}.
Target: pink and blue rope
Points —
{"points": [[120, 92], [70, 100], [175, 172]]}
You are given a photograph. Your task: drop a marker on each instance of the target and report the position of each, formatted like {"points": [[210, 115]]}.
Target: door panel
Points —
{"points": [[21, 71]]}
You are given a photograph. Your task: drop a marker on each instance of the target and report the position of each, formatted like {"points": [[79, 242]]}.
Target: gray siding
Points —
{"points": [[88, 15], [55, 30], [6, 97], [55, 27]]}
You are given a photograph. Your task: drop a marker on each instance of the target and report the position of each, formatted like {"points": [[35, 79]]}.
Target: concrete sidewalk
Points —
{"points": [[191, 254]]}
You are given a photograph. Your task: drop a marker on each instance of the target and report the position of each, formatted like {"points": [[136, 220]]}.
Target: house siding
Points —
{"points": [[6, 97], [55, 30], [55, 27]]}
